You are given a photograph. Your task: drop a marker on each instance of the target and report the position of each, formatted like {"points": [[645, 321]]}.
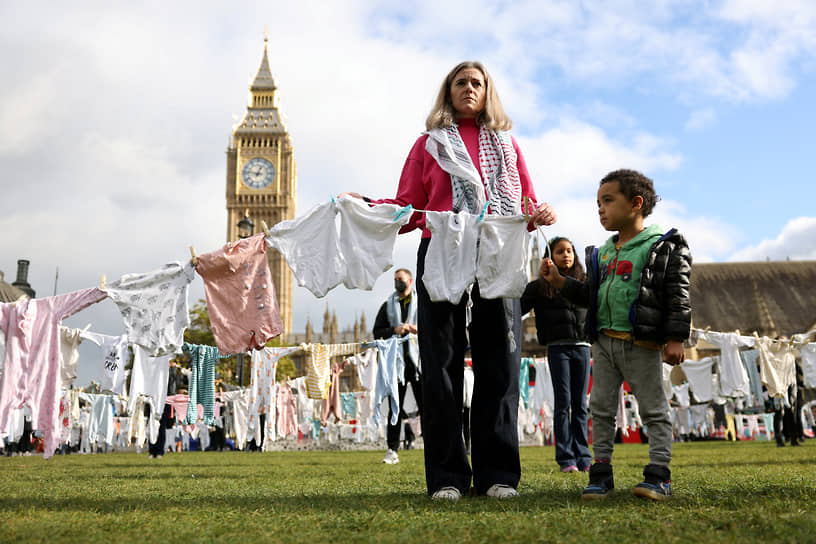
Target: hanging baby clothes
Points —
{"points": [[149, 378], [391, 374], [808, 354], [69, 354], [543, 394], [698, 374], [777, 366], [305, 405], [524, 380], [331, 404], [262, 388], [111, 374], [32, 369], [317, 366], [241, 298], [451, 254], [733, 377], [137, 431], [202, 381], [154, 307], [100, 424], [2, 350], [366, 363], [239, 400], [310, 246], [467, 387], [667, 384], [681, 394], [287, 412], [749, 361], [349, 403], [367, 236], [501, 268]]}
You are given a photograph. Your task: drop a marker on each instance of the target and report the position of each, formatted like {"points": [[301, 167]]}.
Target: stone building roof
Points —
{"points": [[9, 293], [770, 298]]}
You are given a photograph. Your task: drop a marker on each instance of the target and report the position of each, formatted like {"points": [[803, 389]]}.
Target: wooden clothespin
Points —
{"points": [[102, 282], [194, 258], [707, 328], [527, 208], [264, 227]]}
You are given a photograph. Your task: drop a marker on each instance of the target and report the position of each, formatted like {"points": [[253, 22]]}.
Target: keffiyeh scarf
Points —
{"points": [[498, 162]]}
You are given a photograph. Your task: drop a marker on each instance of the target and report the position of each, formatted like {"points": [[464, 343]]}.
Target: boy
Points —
{"points": [[637, 291]]}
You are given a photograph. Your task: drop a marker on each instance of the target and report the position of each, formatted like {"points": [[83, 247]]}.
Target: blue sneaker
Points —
{"points": [[656, 484], [601, 483]]}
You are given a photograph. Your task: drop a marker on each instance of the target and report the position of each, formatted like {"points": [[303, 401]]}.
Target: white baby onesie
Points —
{"points": [[777, 366], [310, 247], [366, 363], [69, 354], [501, 268], [733, 376], [149, 378], [450, 264], [367, 236], [111, 373], [154, 306], [698, 374]]}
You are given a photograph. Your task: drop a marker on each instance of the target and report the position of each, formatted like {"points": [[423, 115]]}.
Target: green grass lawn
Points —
{"points": [[723, 492]]}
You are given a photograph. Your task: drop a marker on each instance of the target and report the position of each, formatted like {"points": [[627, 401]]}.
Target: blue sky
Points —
{"points": [[114, 119]]}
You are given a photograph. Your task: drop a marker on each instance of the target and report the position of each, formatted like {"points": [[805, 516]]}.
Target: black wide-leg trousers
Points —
{"points": [[495, 343]]}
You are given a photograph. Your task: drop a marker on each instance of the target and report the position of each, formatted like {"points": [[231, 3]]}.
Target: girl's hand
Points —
{"points": [[550, 272]]}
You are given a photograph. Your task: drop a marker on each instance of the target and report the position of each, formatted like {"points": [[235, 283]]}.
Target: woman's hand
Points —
{"points": [[550, 272], [355, 195], [544, 215]]}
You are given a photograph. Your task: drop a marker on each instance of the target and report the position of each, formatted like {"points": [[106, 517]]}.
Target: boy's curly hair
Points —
{"points": [[632, 183]]}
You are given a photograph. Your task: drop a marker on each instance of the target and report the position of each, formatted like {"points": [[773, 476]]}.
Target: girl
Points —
{"points": [[560, 326]]}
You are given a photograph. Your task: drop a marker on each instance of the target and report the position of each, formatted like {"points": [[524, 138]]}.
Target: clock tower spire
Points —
{"points": [[262, 174]]}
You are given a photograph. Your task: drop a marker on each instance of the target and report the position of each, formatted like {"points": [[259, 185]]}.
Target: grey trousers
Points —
{"points": [[617, 360]]}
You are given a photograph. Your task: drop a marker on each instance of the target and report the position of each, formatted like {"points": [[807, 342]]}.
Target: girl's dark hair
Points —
{"points": [[576, 271]]}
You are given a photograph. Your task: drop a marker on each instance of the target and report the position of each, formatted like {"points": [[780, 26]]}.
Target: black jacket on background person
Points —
{"points": [[556, 318]]}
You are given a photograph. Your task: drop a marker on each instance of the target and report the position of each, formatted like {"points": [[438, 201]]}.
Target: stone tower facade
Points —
{"points": [[262, 176]]}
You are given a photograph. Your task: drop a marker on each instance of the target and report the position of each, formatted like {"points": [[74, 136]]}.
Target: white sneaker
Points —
{"points": [[446, 494], [391, 457], [501, 491]]}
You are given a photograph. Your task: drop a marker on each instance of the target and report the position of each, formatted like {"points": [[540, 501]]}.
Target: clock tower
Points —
{"points": [[262, 176]]}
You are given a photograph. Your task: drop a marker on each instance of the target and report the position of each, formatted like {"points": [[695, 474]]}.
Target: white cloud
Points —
{"points": [[797, 241], [571, 158], [700, 119]]}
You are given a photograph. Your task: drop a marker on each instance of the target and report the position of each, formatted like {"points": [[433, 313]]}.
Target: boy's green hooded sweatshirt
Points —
{"points": [[620, 277]]}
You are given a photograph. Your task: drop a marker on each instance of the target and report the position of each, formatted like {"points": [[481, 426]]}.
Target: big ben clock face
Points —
{"points": [[257, 173]]}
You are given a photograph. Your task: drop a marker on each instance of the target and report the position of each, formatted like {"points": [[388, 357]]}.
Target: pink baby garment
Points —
{"points": [[241, 298], [32, 360]]}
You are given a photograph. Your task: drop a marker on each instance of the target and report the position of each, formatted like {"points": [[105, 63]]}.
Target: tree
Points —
{"points": [[200, 332]]}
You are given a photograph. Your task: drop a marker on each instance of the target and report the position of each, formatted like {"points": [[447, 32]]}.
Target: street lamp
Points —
{"points": [[246, 227]]}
